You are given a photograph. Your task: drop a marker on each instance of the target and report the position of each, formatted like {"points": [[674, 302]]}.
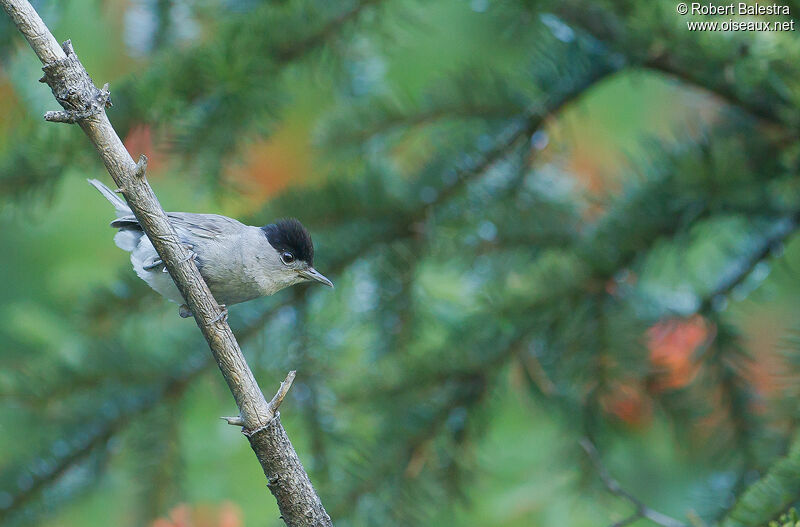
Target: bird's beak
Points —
{"points": [[313, 274]]}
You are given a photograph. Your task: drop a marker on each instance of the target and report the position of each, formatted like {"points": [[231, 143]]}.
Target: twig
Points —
{"points": [[234, 420], [282, 391], [613, 486], [85, 105], [273, 404]]}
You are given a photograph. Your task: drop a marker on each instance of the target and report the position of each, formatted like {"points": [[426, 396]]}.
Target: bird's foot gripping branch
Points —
{"points": [[85, 104]]}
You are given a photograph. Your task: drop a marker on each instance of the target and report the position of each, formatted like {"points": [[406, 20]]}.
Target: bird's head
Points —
{"points": [[295, 251]]}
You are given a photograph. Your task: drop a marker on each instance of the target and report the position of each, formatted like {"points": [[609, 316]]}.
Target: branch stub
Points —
{"points": [[73, 89]]}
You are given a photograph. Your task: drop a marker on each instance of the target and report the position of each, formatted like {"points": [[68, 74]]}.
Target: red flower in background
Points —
{"points": [[185, 515], [628, 403], [268, 166], [140, 141], [672, 344]]}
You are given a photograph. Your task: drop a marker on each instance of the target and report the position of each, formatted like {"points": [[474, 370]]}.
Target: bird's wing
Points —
{"points": [[203, 225], [189, 226]]}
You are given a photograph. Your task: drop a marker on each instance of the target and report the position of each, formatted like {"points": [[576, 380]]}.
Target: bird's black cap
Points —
{"points": [[290, 235]]}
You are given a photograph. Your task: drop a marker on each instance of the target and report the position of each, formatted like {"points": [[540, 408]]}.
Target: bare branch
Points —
{"points": [[234, 420], [32, 27], [273, 404], [282, 391], [85, 105]]}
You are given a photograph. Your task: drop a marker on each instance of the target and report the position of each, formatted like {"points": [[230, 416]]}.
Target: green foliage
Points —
{"points": [[790, 519], [767, 497]]}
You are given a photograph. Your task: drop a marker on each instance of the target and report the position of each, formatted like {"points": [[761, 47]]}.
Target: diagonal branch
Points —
{"points": [[173, 388], [667, 64], [298, 49], [613, 486], [605, 26], [85, 105], [782, 230]]}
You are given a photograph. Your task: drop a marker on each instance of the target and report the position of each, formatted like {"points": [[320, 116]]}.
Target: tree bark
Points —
{"points": [[286, 478], [85, 105]]}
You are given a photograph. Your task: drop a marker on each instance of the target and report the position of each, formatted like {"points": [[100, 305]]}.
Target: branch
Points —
{"points": [[781, 231], [613, 486], [84, 104], [60, 466], [606, 27], [282, 391], [273, 404], [298, 49], [667, 64]]}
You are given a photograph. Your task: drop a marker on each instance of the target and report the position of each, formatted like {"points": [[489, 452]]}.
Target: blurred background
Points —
{"points": [[547, 221]]}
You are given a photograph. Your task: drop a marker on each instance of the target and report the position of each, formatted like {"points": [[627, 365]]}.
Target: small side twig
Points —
{"points": [[141, 166], [235, 420], [274, 403], [613, 486]]}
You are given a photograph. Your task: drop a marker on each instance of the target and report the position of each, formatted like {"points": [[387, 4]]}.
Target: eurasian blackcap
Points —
{"points": [[237, 261]]}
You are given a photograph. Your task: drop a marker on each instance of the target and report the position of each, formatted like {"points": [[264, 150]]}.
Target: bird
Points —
{"points": [[238, 262]]}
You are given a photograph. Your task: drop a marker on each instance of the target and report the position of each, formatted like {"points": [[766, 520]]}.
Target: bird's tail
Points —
{"points": [[120, 206]]}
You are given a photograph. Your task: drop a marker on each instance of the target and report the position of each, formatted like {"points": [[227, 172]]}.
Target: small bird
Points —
{"points": [[237, 261]]}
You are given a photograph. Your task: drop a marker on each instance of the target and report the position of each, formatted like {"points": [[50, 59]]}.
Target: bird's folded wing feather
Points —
{"points": [[189, 225]]}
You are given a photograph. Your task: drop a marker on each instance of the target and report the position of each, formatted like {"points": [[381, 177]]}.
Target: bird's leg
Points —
{"points": [[223, 315], [152, 265], [184, 310], [158, 262], [192, 256]]}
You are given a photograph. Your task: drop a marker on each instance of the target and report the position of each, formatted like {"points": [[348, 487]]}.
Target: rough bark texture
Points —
{"points": [[282, 477], [84, 104]]}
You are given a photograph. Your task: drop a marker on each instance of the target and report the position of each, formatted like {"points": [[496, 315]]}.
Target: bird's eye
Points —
{"points": [[287, 257]]}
